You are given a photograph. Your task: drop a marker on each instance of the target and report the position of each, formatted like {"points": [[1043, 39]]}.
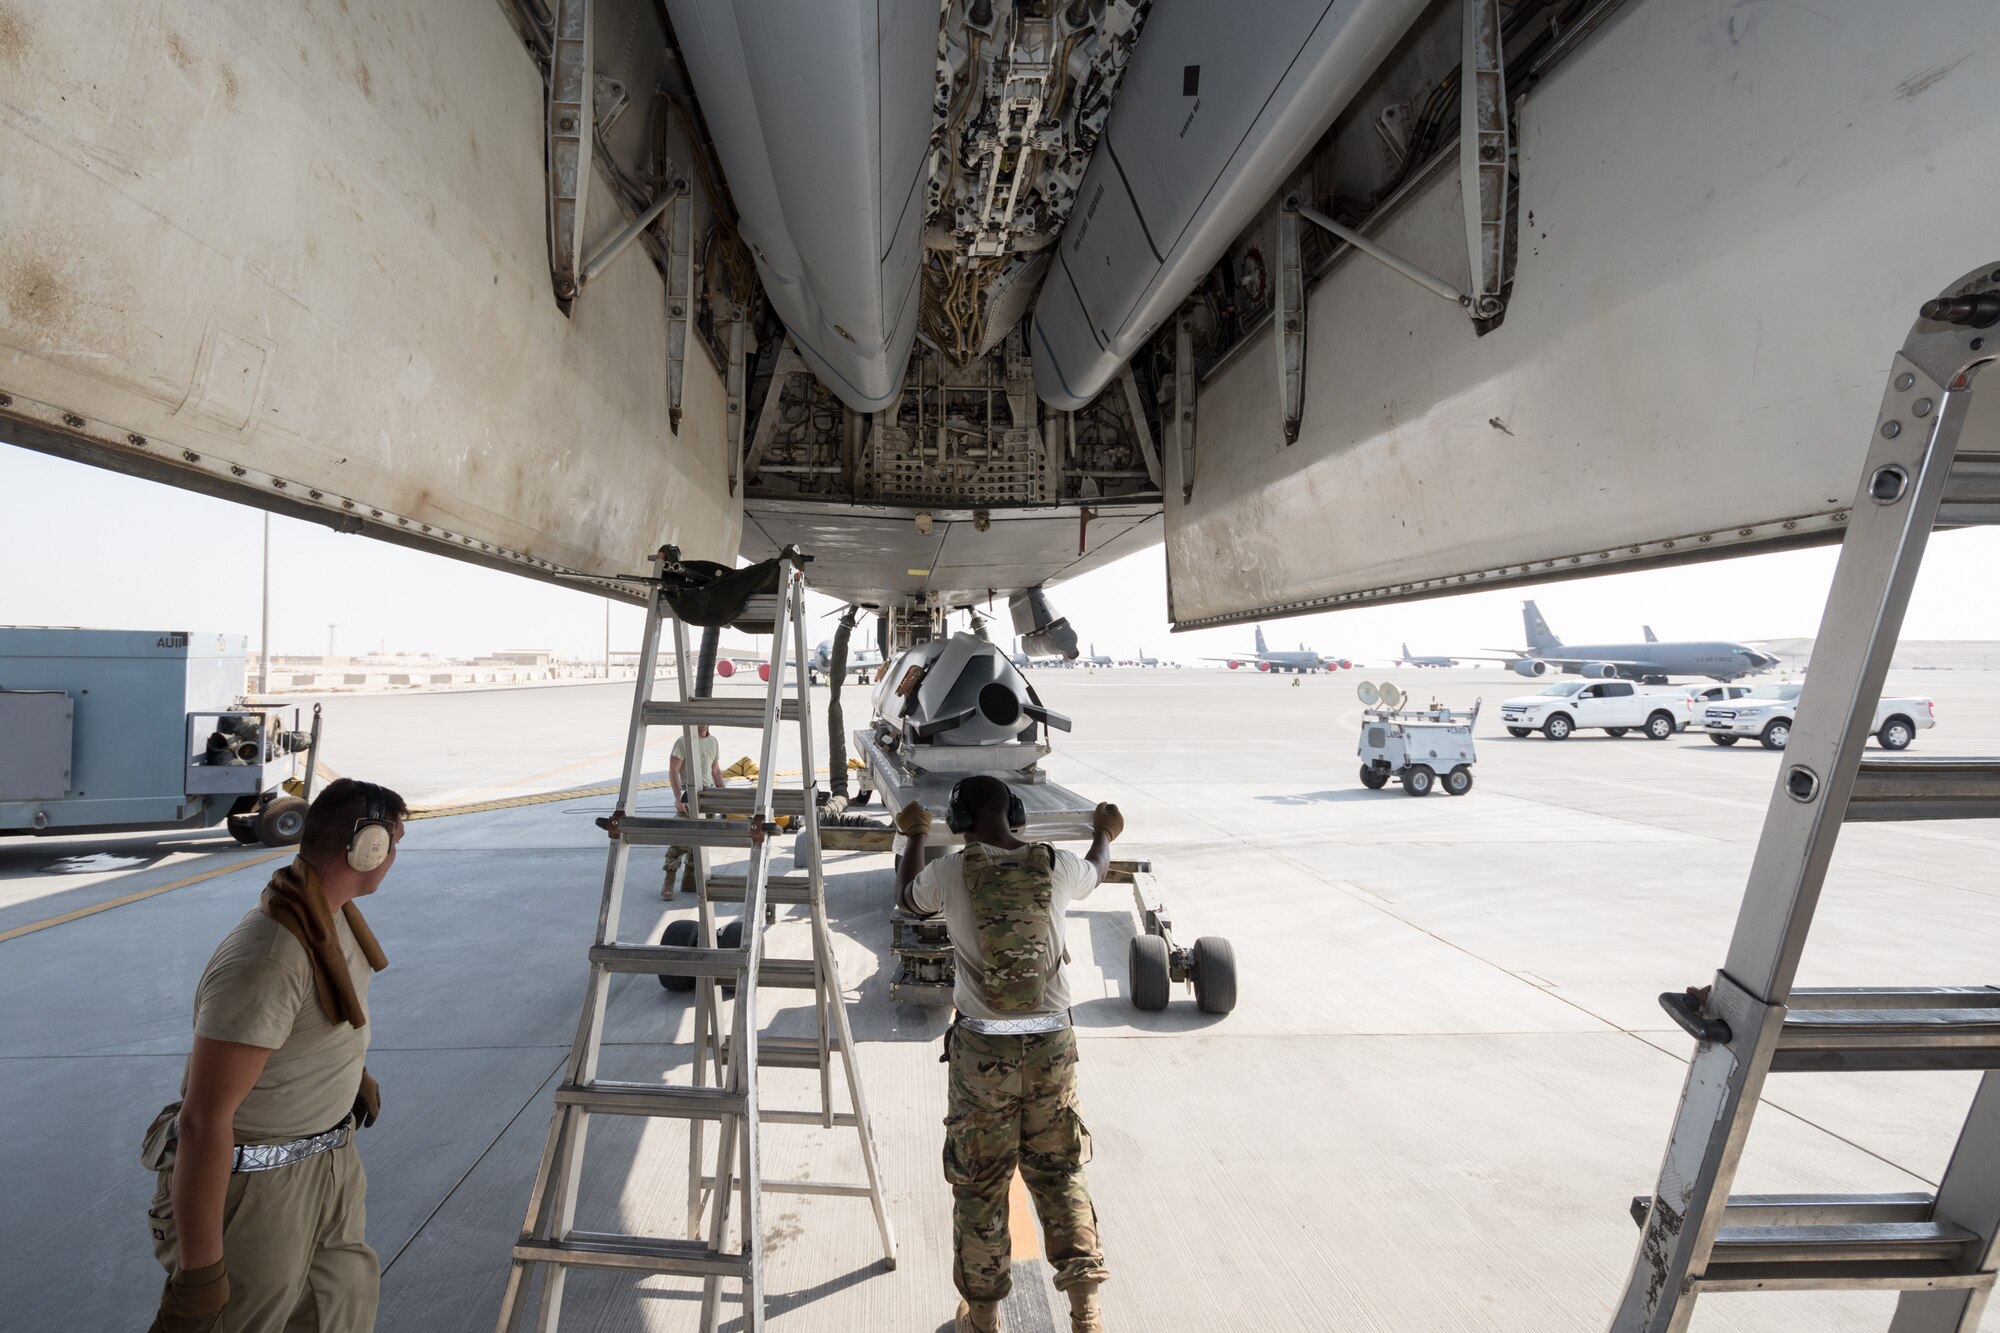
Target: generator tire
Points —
{"points": [[682, 934], [1458, 782], [1721, 739], [282, 823], [243, 828], [1418, 780], [1777, 735], [1214, 975], [1151, 974], [1615, 732], [1661, 727], [1374, 779], [1519, 733], [1558, 727]]}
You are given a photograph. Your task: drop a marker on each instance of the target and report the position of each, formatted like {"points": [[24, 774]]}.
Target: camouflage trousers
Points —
{"points": [[1013, 1103]]}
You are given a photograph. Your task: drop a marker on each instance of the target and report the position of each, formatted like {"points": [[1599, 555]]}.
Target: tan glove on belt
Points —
{"points": [[1106, 820], [193, 1300], [913, 820]]}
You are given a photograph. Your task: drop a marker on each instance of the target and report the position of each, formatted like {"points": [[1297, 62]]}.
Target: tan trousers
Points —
{"points": [[295, 1246]]}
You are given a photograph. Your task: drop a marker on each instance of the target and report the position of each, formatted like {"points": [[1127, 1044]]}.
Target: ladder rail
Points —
{"points": [[1857, 636]]}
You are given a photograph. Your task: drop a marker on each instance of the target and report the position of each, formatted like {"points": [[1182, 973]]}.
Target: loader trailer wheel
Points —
{"points": [[1374, 779], [1418, 780], [282, 823], [1214, 975], [1458, 782], [1151, 974], [682, 934], [243, 828]]}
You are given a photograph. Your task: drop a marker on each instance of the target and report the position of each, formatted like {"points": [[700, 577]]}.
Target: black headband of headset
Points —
{"points": [[376, 811]]}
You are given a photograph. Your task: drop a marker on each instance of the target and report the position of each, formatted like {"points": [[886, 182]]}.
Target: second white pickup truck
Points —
{"points": [[1616, 706], [1767, 711]]}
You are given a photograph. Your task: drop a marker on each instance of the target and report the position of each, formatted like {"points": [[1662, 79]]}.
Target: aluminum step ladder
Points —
{"points": [[725, 1177], [1937, 1250]]}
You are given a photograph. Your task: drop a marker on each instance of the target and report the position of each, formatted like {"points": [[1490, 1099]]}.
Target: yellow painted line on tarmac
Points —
{"points": [[153, 892], [479, 796], [1022, 1228]]}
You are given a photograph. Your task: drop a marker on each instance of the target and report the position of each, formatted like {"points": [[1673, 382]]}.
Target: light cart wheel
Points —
{"points": [[682, 934], [729, 937], [1458, 782], [1214, 975], [1418, 780], [1374, 779], [1152, 975]]}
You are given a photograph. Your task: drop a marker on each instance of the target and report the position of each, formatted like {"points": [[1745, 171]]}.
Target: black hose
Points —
{"points": [[704, 670], [836, 726], [882, 636]]}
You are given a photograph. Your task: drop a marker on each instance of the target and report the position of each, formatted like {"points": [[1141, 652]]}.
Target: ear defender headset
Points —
{"points": [[959, 819], [374, 834]]}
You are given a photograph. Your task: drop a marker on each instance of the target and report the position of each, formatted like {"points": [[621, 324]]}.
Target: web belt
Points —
{"points": [[1015, 1027], [271, 1156]]}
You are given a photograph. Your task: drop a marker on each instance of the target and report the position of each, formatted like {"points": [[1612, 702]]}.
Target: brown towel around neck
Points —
{"points": [[293, 899]]}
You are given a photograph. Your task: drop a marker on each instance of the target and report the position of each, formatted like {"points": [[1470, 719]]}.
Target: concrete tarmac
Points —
{"points": [[1445, 1080]]}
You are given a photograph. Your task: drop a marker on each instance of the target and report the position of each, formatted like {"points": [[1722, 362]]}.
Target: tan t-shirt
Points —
{"points": [[258, 990], [703, 776], [941, 887]]}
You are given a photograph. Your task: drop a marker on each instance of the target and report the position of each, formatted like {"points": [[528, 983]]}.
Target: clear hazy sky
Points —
{"points": [[81, 546]]}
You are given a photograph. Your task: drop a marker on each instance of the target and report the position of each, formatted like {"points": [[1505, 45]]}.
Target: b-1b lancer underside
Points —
{"points": [[1341, 302]]}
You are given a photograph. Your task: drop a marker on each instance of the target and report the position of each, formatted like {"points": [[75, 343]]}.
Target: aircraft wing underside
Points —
{"points": [[543, 284]]}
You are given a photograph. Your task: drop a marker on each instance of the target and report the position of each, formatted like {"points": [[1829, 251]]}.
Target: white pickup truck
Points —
{"points": [[1766, 713], [1616, 706]]}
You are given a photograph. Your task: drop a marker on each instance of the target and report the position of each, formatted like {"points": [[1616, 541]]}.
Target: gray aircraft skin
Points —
{"points": [[1407, 660], [1652, 661]]}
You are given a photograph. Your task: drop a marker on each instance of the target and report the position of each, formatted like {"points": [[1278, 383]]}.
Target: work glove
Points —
{"points": [[1105, 819], [367, 1102], [193, 1300], [913, 820]]}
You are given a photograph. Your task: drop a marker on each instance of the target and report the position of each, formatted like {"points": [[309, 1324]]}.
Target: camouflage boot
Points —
{"points": [[670, 884], [1084, 1316], [983, 1317]]}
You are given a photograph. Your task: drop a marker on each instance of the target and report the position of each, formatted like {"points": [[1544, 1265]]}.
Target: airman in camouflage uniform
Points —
{"points": [[1012, 1053]]}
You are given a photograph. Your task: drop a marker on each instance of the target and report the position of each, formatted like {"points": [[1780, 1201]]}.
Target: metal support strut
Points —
{"points": [[1937, 1250], [1482, 153], [570, 115], [1182, 434]]}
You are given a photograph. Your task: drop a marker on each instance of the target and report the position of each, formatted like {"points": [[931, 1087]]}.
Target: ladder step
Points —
{"points": [[1895, 787], [1971, 490], [638, 1254], [784, 890], [788, 973], [651, 1099], [1890, 1029], [1750, 1210], [737, 710], [789, 1052], [841, 1188], [742, 800], [760, 615], [669, 960], [671, 831]]}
